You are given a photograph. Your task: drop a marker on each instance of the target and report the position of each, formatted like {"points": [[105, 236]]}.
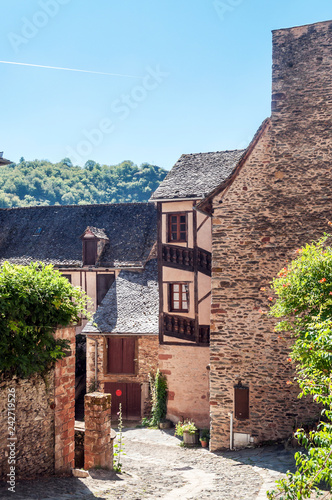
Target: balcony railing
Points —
{"points": [[184, 258], [204, 261], [183, 328], [179, 257]]}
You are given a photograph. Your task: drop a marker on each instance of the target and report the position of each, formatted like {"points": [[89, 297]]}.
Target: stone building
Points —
{"points": [[277, 199], [122, 341]]}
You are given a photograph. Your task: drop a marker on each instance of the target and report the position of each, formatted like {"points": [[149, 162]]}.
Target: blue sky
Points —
{"points": [[199, 76]]}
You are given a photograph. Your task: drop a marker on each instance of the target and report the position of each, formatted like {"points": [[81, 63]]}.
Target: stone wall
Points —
{"points": [[186, 369], [64, 405], [44, 416], [98, 445], [34, 426], [280, 200]]}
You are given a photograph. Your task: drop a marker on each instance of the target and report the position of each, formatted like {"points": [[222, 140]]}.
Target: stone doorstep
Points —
{"points": [[80, 473]]}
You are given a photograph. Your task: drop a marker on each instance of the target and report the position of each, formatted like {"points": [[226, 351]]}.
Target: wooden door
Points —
{"points": [[130, 399]]}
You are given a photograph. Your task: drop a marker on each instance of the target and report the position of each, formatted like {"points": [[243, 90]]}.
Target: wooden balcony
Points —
{"points": [[187, 258], [183, 328], [179, 257], [204, 261]]}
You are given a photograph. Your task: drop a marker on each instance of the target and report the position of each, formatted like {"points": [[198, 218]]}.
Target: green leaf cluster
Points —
{"points": [[34, 301], [304, 305], [41, 182], [158, 391], [186, 426]]}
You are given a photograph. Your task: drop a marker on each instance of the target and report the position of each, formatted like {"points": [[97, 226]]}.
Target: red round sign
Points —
{"points": [[118, 392]]}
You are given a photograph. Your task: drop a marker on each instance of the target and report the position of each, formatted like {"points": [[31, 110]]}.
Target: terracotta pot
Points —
{"points": [[204, 444], [190, 439]]}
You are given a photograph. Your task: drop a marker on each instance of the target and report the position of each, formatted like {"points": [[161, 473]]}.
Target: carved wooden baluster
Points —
{"points": [[181, 326], [180, 256], [186, 257], [176, 325], [188, 328], [191, 257], [168, 256]]}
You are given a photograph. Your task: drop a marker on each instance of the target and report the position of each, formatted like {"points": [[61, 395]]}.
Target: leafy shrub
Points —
{"points": [[304, 304], [187, 425], [34, 301]]}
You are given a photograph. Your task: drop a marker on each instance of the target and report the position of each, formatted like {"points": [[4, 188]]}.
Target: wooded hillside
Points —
{"points": [[41, 182]]}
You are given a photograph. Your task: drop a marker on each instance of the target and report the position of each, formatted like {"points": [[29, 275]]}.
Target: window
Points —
{"points": [[104, 282], [121, 355], [68, 276], [89, 252], [177, 228], [179, 297]]}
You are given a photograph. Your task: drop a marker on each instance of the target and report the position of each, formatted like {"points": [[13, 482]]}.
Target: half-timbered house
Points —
{"points": [[184, 270]]}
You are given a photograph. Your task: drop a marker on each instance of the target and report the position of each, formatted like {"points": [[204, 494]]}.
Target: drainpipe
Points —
{"points": [[96, 364], [231, 430]]}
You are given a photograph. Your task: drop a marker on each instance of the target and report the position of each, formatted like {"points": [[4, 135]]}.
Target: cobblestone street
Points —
{"points": [[155, 466]]}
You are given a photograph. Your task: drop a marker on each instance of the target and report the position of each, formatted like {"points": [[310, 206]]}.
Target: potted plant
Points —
{"points": [[205, 437], [188, 431]]}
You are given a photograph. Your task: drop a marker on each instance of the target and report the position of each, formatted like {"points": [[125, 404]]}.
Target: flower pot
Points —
{"points": [[165, 425], [190, 439], [204, 444]]}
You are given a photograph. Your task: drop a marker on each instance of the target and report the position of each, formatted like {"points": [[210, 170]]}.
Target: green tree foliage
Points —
{"points": [[41, 182], [304, 305], [34, 300]]}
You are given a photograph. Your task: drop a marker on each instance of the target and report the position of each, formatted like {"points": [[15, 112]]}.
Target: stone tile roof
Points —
{"points": [[97, 232], [196, 175], [131, 305], [52, 234]]}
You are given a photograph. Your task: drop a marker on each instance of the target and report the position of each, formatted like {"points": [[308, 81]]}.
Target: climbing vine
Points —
{"points": [[34, 301], [158, 389]]}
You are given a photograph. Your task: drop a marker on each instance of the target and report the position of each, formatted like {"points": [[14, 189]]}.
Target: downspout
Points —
{"points": [[96, 364], [231, 430]]}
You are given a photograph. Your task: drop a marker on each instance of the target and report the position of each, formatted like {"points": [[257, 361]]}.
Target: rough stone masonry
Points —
{"points": [[279, 200]]}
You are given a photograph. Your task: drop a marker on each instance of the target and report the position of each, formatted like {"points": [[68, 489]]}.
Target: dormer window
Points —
{"points": [[89, 252], [94, 241]]}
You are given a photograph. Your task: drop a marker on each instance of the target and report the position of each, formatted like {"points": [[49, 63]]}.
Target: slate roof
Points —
{"points": [[131, 305], [196, 175], [97, 232], [52, 234]]}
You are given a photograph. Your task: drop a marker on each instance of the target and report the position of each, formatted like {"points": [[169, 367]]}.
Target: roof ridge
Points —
{"points": [[76, 206], [214, 152]]}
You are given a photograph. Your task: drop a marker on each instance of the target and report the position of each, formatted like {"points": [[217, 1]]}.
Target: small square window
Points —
{"points": [[178, 297], [177, 228]]}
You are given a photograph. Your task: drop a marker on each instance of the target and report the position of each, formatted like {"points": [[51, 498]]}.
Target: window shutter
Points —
{"points": [[128, 355], [121, 355], [90, 252], [104, 282], [114, 355], [241, 400]]}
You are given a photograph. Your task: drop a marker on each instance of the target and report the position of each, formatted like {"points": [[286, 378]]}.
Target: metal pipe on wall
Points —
{"points": [[231, 430]]}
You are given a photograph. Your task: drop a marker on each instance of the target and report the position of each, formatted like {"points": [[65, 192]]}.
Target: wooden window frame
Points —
{"points": [[178, 232], [171, 297]]}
